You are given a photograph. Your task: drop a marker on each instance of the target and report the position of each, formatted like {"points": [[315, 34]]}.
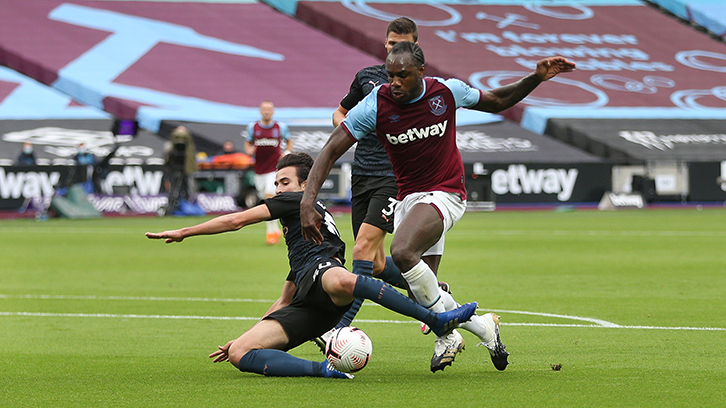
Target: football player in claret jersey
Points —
{"points": [[414, 117], [317, 291], [264, 142]]}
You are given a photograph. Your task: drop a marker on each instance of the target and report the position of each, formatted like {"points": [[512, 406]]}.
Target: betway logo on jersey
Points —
{"points": [[517, 179], [414, 134], [267, 142]]}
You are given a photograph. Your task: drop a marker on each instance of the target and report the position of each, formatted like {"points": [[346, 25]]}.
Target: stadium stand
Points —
{"points": [[641, 74]]}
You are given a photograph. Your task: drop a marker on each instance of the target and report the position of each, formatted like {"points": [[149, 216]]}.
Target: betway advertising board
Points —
{"points": [[540, 182], [21, 183]]}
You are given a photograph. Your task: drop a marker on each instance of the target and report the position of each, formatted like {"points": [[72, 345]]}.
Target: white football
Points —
{"points": [[348, 349]]}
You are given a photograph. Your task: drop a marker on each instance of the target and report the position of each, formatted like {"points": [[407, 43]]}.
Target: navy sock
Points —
{"points": [[360, 267], [392, 275], [277, 363], [390, 298]]}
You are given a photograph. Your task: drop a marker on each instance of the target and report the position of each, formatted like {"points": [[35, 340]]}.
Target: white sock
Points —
{"points": [[478, 328], [271, 226], [473, 325], [449, 302], [425, 287]]}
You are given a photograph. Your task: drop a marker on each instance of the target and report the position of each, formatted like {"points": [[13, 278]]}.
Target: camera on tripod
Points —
{"points": [[177, 156]]}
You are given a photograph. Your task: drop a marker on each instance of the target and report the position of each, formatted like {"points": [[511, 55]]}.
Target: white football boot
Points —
{"points": [[445, 350], [486, 327], [322, 340]]}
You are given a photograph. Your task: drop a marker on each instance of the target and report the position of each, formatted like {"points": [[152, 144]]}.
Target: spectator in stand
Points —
{"points": [[227, 148], [83, 157], [26, 157], [87, 160]]}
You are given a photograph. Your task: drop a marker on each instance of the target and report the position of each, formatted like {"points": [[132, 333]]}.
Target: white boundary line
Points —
{"points": [[239, 318], [149, 298], [595, 323]]}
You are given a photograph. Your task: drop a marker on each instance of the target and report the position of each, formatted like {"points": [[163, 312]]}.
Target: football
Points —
{"points": [[348, 349]]}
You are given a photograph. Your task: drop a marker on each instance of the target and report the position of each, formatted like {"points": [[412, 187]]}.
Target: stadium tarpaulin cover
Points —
{"points": [[206, 62], [633, 61]]}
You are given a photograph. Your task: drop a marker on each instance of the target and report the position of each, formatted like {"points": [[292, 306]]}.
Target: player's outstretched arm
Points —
{"points": [[499, 99], [338, 143], [223, 223]]}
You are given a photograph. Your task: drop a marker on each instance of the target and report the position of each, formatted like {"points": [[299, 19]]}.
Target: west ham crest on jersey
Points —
{"points": [[437, 105]]}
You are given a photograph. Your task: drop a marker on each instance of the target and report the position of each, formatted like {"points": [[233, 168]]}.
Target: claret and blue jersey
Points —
{"points": [[419, 136]]}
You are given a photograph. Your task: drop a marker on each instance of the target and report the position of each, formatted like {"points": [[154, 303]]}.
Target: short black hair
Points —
{"points": [[403, 26], [407, 47], [302, 162]]}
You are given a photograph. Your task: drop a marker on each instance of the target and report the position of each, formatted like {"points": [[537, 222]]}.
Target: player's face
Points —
{"points": [[267, 109], [394, 39], [286, 180], [405, 77]]}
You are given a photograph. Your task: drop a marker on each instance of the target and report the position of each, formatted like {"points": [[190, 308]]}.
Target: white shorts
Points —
{"points": [[265, 184], [449, 205]]}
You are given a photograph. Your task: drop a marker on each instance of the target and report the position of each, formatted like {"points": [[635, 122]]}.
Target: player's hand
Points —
{"points": [[549, 67], [222, 354], [311, 220], [171, 236]]}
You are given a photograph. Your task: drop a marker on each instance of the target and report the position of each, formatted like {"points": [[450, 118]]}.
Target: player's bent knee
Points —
{"points": [[404, 258], [236, 351], [338, 283]]}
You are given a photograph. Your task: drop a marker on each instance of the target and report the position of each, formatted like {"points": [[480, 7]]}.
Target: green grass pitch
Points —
{"points": [[629, 303]]}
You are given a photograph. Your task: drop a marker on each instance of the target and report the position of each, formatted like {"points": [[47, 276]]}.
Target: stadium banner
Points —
{"points": [[19, 184], [632, 60], [539, 182], [154, 204], [638, 141], [613, 201], [56, 141], [496, 142]]}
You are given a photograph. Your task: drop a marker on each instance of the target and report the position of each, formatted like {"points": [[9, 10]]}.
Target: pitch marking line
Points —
{"points": [[150, 298], [238, 318], [595, 323]]}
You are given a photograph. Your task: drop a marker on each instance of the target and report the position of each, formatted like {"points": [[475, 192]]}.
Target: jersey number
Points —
{"points": [[329, 221]]}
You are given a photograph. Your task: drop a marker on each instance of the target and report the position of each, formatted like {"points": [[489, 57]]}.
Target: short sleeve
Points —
{"points": [[250, 132], [283, 205], [361, 120], [354, 95], [464, 95], [284, 131]]}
